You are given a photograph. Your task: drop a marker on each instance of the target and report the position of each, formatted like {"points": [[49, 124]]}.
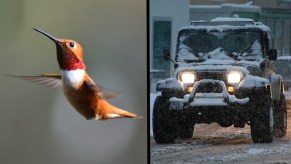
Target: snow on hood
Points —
{"points": [[220, 68], [230, 62], [217, 65]]}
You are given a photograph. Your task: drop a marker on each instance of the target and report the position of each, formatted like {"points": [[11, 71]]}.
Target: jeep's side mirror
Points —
{"points": [[166, 55], [272, 54]]}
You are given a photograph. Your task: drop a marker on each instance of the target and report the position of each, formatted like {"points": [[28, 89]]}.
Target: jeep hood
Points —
{"points": [[220, 65], [212, 68]]}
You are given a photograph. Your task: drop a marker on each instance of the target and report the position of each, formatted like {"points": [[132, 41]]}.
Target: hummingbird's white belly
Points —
{"points": [[73, 78]]}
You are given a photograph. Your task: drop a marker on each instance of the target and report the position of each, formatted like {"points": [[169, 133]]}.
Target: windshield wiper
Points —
{"points": [[246, 48]]}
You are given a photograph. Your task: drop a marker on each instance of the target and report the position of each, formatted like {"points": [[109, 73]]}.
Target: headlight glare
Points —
{"points": [[234, 77], [187, 77]]}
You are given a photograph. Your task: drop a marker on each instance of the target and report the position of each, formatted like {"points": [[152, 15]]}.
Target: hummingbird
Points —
{"points": [[87, 97]]}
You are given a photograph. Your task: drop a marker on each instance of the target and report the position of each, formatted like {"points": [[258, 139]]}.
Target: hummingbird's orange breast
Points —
{"points": [[80, 95], [84, 100]]}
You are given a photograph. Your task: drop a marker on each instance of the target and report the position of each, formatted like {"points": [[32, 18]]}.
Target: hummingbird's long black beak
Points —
{"points": [[46, 34]]}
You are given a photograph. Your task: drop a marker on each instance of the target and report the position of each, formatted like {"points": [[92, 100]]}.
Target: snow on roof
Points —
{"points": [[247, 7], [228, 25], [222, 28], [231, 19]]}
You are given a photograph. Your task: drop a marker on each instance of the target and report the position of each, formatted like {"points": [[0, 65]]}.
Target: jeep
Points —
{"points": [[223, 73]]}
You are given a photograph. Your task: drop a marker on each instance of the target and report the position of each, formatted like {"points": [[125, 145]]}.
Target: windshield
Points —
{"points": [[242, 45]]}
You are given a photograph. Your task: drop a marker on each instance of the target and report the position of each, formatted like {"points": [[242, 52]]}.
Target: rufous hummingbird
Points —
{"points": [[88, 98]]}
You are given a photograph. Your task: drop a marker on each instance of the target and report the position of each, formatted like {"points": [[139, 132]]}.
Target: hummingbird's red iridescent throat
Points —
{"points": [[69, 52]]}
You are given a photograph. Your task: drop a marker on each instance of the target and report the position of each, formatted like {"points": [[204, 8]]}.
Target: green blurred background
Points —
{"points": [[37, 125]]}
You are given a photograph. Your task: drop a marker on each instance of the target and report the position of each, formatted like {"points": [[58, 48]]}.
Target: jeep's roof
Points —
{"points": [[226, 23]]}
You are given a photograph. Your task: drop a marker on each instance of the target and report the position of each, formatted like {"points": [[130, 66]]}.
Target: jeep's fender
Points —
{"points": [[170, 87], [253, 82]]}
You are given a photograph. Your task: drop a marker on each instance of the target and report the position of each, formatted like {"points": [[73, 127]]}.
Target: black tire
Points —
{"points": [[261, 118], [186, 131], [280, 117], [185, 125], [164, 126]]}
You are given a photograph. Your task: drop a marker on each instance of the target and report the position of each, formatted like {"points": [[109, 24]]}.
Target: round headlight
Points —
{"points": [[187, 77], [234, 77]]}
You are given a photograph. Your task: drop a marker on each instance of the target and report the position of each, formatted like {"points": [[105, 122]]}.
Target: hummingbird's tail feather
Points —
{"points": [[119, 113], [114, 112]]}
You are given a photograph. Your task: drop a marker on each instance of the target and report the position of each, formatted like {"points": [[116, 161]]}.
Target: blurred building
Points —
{"points": [[266, 4], [276, 14], [274, 4], [168, 16], [208, 12]]}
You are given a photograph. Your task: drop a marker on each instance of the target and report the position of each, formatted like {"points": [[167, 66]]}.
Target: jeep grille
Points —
{"points": [[211, 75]]}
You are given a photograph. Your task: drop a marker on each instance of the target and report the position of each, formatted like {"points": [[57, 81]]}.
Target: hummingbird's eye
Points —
{"points": [[72, 44]]}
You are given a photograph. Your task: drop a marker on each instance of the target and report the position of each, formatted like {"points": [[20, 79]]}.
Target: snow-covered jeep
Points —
{"points": [[224, 73]]}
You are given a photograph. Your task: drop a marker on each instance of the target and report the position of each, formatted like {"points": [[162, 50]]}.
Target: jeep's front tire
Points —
{"points": [[185, 125], [280, 117], [186, 131], [261, 118], [164, 126]]}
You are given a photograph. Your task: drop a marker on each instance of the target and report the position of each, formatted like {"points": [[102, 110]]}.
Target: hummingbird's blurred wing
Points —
{"points": [[101, 91], [49, 80], [107, 94], [55, 81]]}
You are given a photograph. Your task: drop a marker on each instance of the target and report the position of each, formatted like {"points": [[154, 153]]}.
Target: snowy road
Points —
{"points": [[214, 144]]}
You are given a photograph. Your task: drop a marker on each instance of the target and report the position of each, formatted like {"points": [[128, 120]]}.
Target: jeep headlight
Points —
{"points": [[187, 77], [234, 77]]}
